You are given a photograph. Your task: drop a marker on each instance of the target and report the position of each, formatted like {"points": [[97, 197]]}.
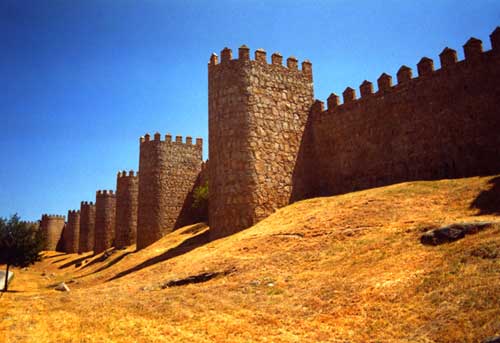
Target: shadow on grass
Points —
{"points": [[195, 229], [10, 291], [47, 257], [74, 262], [101, 258], [186, 246], [488, 201], [111, 263], [60, 260]]}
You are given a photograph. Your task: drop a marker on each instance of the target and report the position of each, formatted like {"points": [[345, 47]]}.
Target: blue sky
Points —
{"points": [[82, 80]]}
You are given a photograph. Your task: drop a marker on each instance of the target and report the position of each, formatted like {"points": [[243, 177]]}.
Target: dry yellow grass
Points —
{"points": [[348, 268]]}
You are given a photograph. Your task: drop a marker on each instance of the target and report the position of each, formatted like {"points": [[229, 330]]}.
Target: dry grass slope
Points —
{"points": [[348, 268]]}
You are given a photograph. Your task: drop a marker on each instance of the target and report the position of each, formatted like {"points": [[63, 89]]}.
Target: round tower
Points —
{"points": [[257, 118], [72, 232], [127, 193], [87, 225], [105, 207], [168, 171], [52, 227]]}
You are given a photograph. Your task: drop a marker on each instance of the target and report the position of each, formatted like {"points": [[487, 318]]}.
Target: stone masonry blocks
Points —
{"points": [[72, 232], [442, 124], [105, 213], [87, 226], [52, 227], [257, 116], [168, 172], [127, 196]]}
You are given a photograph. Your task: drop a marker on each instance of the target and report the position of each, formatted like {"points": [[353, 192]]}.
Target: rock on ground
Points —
{"points": [[452, 232], [62, 287], [2, 278]]}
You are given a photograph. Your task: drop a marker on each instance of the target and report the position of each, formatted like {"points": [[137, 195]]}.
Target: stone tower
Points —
{"points": [[257, 117], [127, 192], [52, 227], [105, 207], [87, 225], [168, 170], [72, 232]]}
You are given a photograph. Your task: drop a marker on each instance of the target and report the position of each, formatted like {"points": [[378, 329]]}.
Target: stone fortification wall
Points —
{"points": [[257, 115], [87, 226], [71, 234], [52, 227], [33, 224], [272, 144], [105, 214], [127, 195], [168, 172], [442, 124]]}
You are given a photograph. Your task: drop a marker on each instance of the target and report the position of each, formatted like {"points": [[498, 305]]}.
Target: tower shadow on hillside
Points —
{"points": [[101, 258], [106, 266], [73, 262], [185, 247], [488, 201], [54, 256]]}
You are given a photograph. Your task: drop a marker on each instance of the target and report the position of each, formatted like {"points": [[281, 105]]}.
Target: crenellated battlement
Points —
{"points": [[474, 55], [260, 57], [71, 232], [125, 174], [53, 216], [105, 193], [105, 214], [127, 189], [31, 222], [414, 128], [168, 169], [52, 227], [441, 123], [87, 226], [257, 115], [272, 144], [168, 139]]}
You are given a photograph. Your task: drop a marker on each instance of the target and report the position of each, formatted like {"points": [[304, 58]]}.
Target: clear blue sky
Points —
{"points": [[82, 80]]}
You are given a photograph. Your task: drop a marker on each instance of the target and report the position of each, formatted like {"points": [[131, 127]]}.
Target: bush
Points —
{"points": [[200, 196]]}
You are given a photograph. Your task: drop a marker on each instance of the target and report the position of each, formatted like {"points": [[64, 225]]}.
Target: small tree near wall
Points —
{"points": [[20, 244]]}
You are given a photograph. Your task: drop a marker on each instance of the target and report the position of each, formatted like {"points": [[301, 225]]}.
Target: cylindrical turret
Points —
{"points": [[257, 118], [52, 227], [168, 171], [105, 207], [87, 226], [72, 232], [127, 192]]}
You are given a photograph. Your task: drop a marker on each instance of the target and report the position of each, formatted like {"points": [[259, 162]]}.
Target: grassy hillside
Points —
{"points": [[348, 268]]}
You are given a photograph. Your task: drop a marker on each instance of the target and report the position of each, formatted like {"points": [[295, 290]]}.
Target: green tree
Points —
{"points": [[200, 195], [20, 244]]}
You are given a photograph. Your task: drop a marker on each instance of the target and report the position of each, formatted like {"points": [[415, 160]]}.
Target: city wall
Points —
{"points": [[271, 144], [440, 124]]}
